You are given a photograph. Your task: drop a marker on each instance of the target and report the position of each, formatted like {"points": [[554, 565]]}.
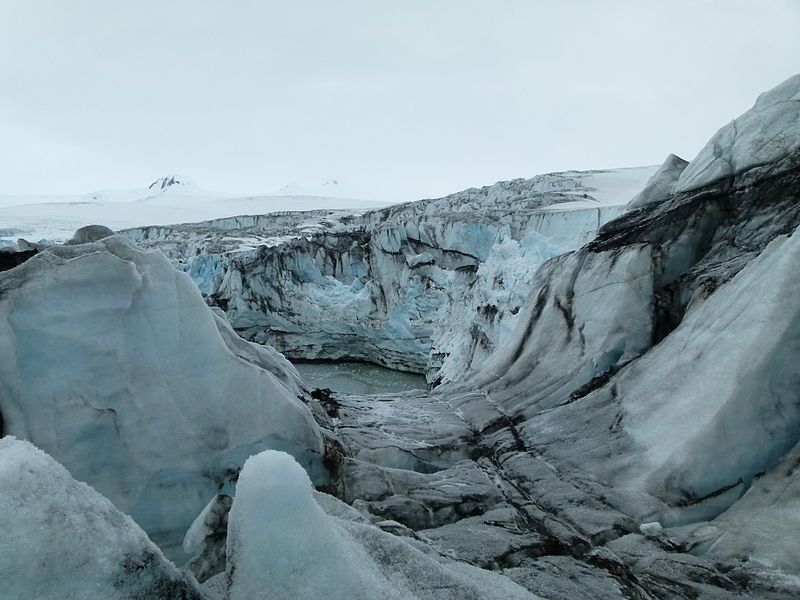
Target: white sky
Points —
{"points": [[398, 99]]}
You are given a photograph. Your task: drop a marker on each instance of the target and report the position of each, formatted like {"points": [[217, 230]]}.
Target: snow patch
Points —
{"points": [[61, 539]]}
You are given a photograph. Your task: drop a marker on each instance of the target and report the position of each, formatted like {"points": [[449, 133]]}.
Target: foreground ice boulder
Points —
{"points": [[281, 544], [61, 539], [111, 362]]}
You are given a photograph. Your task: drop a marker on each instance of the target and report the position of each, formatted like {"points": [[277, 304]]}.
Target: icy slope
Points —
{"points": [[735, 403], [691, 286], [428, 286], [61, 539], [111, 362], [652, 379], [758, 527]]}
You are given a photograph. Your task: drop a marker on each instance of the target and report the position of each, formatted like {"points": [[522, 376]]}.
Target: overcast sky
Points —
{"points": [[398, 99]]}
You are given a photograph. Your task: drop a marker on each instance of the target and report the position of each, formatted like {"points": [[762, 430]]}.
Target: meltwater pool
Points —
{"points": [[358, 378]]}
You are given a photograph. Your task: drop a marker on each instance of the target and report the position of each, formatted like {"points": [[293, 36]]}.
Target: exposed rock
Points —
{"points": [[90, 233], [9, 260]]}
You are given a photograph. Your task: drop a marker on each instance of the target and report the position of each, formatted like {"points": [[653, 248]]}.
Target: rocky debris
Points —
{"points": [[90, 233], [326, 398], [206, 539]]}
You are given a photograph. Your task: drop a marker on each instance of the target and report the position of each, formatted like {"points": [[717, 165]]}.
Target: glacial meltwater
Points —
{"points": [[358, 378]]}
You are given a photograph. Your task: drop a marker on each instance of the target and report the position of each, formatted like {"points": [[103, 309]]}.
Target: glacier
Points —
{"points": [[764, 135], [612, 410], [169, 199]]}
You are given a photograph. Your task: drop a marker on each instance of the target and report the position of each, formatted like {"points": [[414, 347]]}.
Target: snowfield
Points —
{"points": [[168, 200]]}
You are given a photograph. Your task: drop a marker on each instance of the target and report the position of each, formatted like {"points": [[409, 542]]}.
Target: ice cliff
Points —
{"points": [[428, 287], [616, 415]]}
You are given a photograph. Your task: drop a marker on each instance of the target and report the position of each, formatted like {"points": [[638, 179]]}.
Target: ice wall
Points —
{"points": [[763, 135], [429, 287], [669, 342]]}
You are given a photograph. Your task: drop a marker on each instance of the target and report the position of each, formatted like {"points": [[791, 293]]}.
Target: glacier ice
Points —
{"points": [[759, 526], [281, 544], [169, 199], [740, 415], [613, 419], [650, 377], [659, 186]]}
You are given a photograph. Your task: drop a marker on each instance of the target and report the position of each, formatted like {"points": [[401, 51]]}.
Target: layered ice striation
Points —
{"points": [[111, 362], [429, 287]]}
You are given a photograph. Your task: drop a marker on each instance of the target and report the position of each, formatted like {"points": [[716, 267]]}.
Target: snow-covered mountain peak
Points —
{"points": [[173, 182], [332, 187]]}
